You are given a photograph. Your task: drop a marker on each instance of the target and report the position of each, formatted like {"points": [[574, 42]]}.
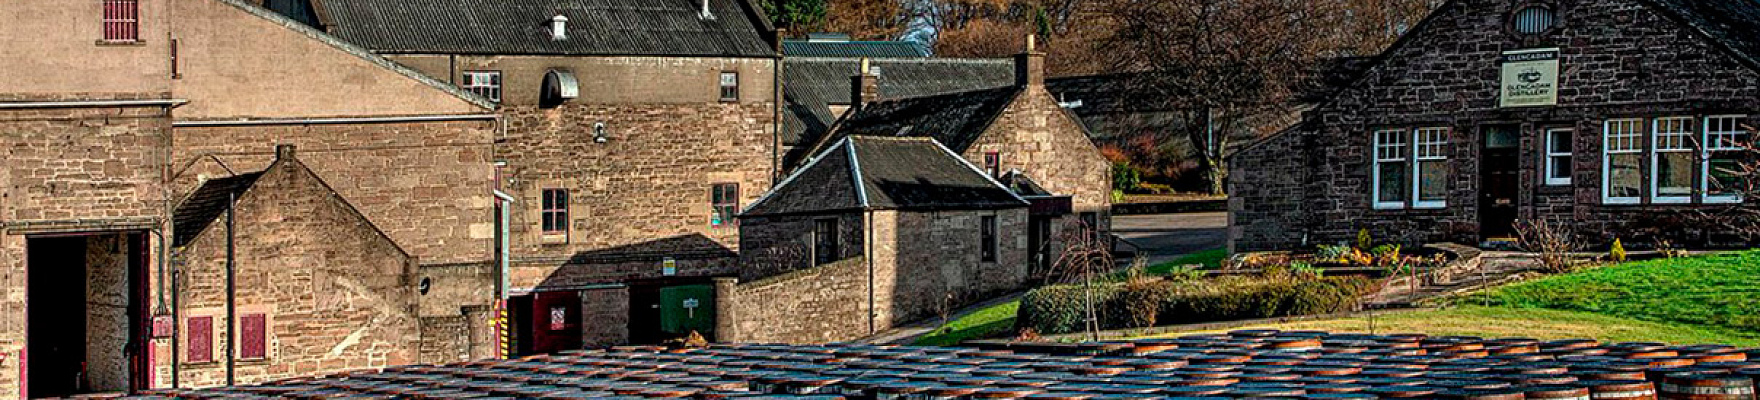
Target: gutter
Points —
{"points": [[93, 103], [329, 121]]}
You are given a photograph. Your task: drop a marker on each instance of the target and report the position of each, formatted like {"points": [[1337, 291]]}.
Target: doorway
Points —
{"points": [[1499, 181], [669, 309], [86, 310], [547, 322], [1039, 245]]}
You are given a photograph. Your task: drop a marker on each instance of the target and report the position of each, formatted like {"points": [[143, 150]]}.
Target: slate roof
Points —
{"points": [[853, 49], [886, 174], [595, 27], [1734, 24], [812, 84], [207, 203], [1023, 185], [955, 119]]}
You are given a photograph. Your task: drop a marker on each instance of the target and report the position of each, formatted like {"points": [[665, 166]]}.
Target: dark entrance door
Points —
{"points": [[1038, 244], [56, 345], [86, 312], [549, 322], [1499, 181]]}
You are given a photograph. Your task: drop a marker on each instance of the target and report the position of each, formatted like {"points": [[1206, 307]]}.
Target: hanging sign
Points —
{"points": [[1530, 78]]}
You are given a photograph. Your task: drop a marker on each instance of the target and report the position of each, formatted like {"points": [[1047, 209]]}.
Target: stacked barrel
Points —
{"points": [[1258, 364]]}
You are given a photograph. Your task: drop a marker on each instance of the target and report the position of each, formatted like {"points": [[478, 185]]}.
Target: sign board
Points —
{"points": [[1530, 78], [669, 267]]}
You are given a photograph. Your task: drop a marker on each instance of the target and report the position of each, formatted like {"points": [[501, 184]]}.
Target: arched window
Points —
{"points": [[1534, 20]]}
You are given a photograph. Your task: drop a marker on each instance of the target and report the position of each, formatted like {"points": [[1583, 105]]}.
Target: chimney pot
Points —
{"points": [[558, 27]]}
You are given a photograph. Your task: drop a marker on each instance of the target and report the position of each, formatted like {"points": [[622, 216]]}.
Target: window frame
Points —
{"points": [[1709, 146], [245, 341], [727, 93], [122, 24], [1377, 159], [1607, 153], [993, 163], [825, 244], [1656, 152], [470, 83], [202, 344], [724, 199], [987, 242], [1550, 152], [548, 207], [1418, 157]]}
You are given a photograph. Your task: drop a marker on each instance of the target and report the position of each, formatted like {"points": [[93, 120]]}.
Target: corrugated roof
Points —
{"points": [[595, 27], [870, 49], [207, 203], [893, 173], [811, 85], [955, 119]]}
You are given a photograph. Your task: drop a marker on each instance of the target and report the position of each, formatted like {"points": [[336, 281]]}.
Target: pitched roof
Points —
{"points": [[954, 119], [1023, 185], [811, 84], [207, 203], [885, 173], [595, 27], [853, 48], [1733, 24]]}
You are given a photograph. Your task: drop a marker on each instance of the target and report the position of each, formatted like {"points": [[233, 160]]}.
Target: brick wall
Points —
{"points": [[606, 312], [1620, 59], [1266, 196], [427, 185], [337, 293]]}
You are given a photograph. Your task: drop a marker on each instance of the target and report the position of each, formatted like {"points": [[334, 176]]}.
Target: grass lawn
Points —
{"points": [[994, 320], [1494, 322], [1720, 290], [1210, 259]]}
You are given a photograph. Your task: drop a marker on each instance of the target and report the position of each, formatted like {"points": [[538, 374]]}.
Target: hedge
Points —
{"points": [[1060, 309]]}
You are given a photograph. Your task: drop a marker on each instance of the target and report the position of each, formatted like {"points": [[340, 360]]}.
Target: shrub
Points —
{"points": [[1618, 252], [1364, 241], [1059, 309]]}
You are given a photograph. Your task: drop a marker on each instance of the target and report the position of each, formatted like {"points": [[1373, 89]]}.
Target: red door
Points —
{"points": [[555, 321]]}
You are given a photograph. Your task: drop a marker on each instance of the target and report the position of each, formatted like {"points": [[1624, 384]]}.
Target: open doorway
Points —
{"points": [[85, 306]]}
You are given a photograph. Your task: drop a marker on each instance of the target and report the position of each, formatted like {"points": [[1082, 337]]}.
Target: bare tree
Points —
{"points": [[1552, 240], [1734, 169], [1085, 253]]}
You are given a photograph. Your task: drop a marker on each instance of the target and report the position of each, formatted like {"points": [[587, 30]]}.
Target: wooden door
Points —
{"points": [[1499, 181], [556, 321]]}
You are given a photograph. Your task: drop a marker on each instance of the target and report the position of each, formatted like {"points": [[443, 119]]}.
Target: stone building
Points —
{"points": [[633, 132], [1608, 116], [816, 89], [112, 111], [1020, 127], [872, 233]]}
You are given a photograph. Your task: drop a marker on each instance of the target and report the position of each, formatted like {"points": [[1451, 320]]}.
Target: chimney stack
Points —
{"points": [[558, 28], [864, 86], [1029, 66], [284, 151]]}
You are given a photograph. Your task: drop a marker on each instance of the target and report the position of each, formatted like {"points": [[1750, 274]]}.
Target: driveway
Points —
{"points": [[1164, 237]]}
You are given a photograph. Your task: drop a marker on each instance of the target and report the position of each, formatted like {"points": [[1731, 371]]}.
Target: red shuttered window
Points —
{"points": [[253, 337], [122, 21], [200, 331]]}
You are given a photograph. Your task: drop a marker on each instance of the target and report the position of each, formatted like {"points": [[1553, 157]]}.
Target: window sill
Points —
{"points": [[1621, 202], [1430, 206], [553, 239], [121, 43], [1553, 183], [1723, 200], [1671, 200]]}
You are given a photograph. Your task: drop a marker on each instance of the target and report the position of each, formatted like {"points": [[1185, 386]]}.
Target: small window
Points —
{"points": [[200, 341], [1431, 168], [825, 246], [555, 212], [1558, 156], [1534, 20], [1390, 187], [987, 238], [483, 83], [1672, 160], [724, 199], [729, 86], [993, 163], [1622, 161], [253, 337], [122, 21], [1726, 151]]}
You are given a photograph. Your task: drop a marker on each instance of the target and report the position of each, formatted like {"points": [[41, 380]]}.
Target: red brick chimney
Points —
{"points": [[864, 86], [1029, 66]]}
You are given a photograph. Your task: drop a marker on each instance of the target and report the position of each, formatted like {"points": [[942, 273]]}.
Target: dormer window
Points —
{"points": [[1534, 20]]}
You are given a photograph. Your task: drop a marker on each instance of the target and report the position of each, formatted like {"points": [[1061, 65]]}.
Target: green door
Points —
{"points": [[688, 308]]}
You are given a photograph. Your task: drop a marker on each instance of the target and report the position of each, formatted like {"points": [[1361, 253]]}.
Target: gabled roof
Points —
{"points": [[735, 28], [1732, 24], [1023, 185], [812, 84], [876, 173], [954, 119], [207, 203], [853, 48]]}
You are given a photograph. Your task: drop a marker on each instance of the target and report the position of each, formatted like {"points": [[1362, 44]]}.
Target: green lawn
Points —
{"points": [[1493, 322], [1210, 259], [1720, 290], [989, 321]]}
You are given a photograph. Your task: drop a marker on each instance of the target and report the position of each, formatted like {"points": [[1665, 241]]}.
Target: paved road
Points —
{"points": [[1163, 237]]}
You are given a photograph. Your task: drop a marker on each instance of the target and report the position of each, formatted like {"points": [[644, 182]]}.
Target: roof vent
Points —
{"points": [[558, 27]]}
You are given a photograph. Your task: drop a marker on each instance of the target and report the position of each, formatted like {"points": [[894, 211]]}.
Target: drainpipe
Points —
{"points": [[231, 289], [869, 243]]}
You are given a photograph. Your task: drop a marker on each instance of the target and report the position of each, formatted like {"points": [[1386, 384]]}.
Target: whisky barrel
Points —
{"points": [[1482, 394], [1556, 392], [1690, 386], [1620, 389]]}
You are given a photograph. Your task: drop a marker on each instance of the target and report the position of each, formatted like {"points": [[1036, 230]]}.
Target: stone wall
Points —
{"points": [[338, 294], [107, 325], [1037, 136], [605, 313], [54, 48], [773, 245], [1266, 195], [929, 262], [1620, 59], [827, 303]]}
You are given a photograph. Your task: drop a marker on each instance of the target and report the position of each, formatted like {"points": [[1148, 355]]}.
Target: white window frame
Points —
{"points": [[1635, 138], [1378, 145], [1550, 152], [1428, 148], [1679, 140], [1716, 144], [725, 81], [483, 83]]}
